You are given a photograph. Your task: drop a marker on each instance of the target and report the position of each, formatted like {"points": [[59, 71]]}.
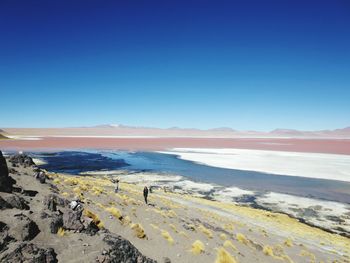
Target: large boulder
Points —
{"points": [[55, 223], [56, 200], [5, 238], [12, 201], [6, 182], [24, 229], [71, 220], [121, 250], [21, 159], [29, 253]]}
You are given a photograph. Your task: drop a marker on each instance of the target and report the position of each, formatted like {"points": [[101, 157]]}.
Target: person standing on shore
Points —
{"points": [[117, 186], [145, 193]]}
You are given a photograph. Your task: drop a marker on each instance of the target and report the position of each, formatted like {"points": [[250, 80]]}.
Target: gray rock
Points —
{"points": [[90, 227], [56, 223], [4, 204], [166, 260], [5, 239], [121, 250], [21, 159], [6, 181], [59, 201], [71, 220], [13, 201], [41, 176], [29, 253], [23, 228]]}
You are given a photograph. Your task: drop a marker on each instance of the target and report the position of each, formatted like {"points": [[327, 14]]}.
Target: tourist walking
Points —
{"points": [[145, 193]]}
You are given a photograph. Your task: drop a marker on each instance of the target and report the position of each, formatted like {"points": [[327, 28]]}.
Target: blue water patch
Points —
{"points": [[75, 162]]}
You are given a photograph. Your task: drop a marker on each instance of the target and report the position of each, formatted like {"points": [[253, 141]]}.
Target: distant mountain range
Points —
{"points": [[111, 130]]}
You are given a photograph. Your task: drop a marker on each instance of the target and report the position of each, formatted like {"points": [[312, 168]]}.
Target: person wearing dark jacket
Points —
{"points": [[145, 193]]}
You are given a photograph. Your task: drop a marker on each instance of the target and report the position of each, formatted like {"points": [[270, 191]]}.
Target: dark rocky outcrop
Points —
{"points": [[30, 253], [21, 159], [6, 182], [5, 238], [90, 226], [55, 223], [12, 201], [40, 175], [4, 204], [71, 220], [59, 201], [121, 250], [24, 229]]}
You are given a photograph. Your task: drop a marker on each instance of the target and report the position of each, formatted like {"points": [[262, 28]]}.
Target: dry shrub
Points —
{"points": [[197, 247], [224, 257], [97, 190], [168, 237], [94, 218], [268, 251], [205, 231], [56, 181], [229, 227], [173, 227], [154, 226], [305, 253], [229, 244], [61, 232], [241, 238], [223, 236], [138, 230], [288, 242], [182, 233], [115, 212], [126, 220]]}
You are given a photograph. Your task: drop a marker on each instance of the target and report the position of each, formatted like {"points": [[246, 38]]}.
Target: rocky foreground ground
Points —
{"points": [[48, 217]]}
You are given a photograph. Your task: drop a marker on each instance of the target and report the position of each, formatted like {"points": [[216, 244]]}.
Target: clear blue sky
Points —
{"points": [[242, 64]]}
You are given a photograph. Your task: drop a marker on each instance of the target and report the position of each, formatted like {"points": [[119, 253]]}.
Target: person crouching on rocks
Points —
{"points": [[145, 193]]}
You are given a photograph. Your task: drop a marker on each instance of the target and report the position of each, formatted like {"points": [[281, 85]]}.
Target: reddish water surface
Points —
{"points": [[335, 146]]}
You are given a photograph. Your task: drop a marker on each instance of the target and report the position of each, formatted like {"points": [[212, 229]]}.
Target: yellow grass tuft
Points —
{"points": [[97, 190], [115, 212], [94, 218], [229, 227], [205, 231], [197, 247], [229, 244], [223, 236], [182, 233], [173, 227], [171, 214], [288, 242], [71, 181], [168, 237], [224, 257], [268, 251], [61, 232], [65, 194], [154, 226], [126, 220], [138, 230], [305, 253], [241, 238], [56, 181]]}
